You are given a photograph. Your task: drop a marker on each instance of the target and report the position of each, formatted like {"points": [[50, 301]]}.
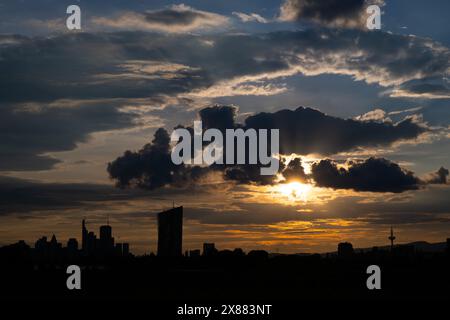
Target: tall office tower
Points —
{"points": [[170, 232], [106, 239], [84, 236]]}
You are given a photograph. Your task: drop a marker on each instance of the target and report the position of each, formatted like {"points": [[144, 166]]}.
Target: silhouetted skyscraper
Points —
{"points": [[84, 236], [106, 239], [170, 232], [91, 243]]}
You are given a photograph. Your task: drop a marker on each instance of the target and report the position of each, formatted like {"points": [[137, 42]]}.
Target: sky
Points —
{"points": [[363, 115]]}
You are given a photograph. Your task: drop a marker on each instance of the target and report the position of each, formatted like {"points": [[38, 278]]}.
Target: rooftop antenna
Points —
{"points": [[392, 238]]}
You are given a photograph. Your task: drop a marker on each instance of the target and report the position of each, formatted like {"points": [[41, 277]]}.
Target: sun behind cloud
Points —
{"points": [[294, 191]]}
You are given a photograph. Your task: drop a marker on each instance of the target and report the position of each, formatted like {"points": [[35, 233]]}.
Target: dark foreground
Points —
{"points": [[230, 278]]}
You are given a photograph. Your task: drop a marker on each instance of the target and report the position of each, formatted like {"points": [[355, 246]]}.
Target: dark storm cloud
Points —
{"points": [[152, 167], [28, 130], [373, 174], [303, 131], [330, 13], [219, 117]]}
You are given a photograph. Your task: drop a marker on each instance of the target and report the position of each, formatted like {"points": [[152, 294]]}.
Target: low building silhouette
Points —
{"points": [[258, 254], [345, 250], [194, 253], [209, 249], [125, 249], [72, 245]]}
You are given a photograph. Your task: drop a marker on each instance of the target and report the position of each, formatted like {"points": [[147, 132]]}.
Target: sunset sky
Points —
{"points": [[364, 120]]}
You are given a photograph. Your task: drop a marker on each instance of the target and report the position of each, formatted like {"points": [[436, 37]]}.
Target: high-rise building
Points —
{"points": [[170, 232], [91, 243], [106, 244], [103, 246], [84, 236]]}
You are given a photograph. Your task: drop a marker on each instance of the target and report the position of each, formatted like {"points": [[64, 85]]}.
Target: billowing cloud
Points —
{"points": [[308, 131], [251, 17], [330, 13], [438, 177], [152, 167], [177, 19], [373, 174], [302, 131]]}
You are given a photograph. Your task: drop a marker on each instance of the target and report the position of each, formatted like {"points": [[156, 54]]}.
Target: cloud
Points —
{"points": [[374, 115], [373, 174], [152, 167], [307, 131], [116, 68], [302, 131], [26, 196], [294, 170], [175, 19], [136, 64], [30, 130], [422, 89], [251, 17], [329, 13], [438, 177]]}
